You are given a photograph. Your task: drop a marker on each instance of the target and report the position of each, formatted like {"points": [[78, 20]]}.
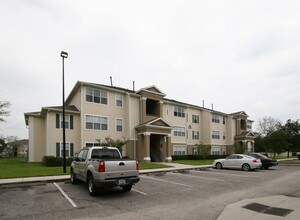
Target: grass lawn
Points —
{"points": [[194, 162], [144, 166], [296, 161], [17, 167]]}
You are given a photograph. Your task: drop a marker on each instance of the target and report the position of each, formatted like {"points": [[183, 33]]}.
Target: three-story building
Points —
{"points": [[155, 127]]}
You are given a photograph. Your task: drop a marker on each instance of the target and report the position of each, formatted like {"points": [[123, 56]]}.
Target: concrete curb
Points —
{"points": [[60, 178]]}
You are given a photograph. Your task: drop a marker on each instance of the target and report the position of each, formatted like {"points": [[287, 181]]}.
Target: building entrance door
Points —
{"points": [[156, 147]]}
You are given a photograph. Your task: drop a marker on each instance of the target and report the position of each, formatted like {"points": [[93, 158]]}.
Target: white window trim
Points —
{"points": [[101, 116], [61, 121], [181, 128], [180, 146], [117, 124], [103, 90], [119, 100], [198, 117], [68, 145], [213, 134]]}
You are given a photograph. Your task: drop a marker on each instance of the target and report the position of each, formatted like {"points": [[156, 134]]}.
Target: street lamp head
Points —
{"points": [[64, 54]]}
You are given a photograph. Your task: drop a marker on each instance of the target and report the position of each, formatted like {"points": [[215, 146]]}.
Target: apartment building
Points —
{"points": [[155, 127]]}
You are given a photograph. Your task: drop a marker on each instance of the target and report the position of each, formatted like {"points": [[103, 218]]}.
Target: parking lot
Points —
{"points": [[201, 194]]}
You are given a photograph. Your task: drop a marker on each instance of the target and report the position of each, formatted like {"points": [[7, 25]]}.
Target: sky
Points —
{"points": [[236, 55]]}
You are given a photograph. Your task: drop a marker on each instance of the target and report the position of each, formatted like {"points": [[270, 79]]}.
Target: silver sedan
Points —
{"points": [[238, 161]]}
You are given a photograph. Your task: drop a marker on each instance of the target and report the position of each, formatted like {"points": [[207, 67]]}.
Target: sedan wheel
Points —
{"points": [[219, 166], [246, 167]]}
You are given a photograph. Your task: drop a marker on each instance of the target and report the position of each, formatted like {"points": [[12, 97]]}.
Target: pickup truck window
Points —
{"points": [[82, 155], [105, 153]]}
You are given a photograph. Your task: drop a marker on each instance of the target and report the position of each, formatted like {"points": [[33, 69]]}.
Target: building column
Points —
{"points": [[168, 149], [147, 158]]}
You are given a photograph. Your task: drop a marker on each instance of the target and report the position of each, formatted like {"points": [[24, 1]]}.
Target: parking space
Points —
{"points": [[172, 195]]}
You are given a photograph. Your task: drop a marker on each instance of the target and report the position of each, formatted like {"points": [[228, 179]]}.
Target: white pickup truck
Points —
{"points": [[104, 167]]}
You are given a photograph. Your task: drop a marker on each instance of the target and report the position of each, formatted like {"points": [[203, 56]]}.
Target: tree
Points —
{"points": [[267, 125], [277, 141], [3, 112], [13, 146], [203, 150], [292, 130], [239, 148], [2, 145], [118, 143], [260, 145]]}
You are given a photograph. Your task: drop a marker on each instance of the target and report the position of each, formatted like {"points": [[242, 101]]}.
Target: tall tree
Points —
{"points": [[13, 146], [277, 142], [2, 145], [267, 125], [3, 110]]}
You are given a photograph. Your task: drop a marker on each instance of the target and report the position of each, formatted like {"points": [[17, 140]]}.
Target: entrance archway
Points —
{"points": [[156, 148]]}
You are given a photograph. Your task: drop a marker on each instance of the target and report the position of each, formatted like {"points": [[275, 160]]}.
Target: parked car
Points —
{"points": [[104, 167], [266, 161], [238, 161]]}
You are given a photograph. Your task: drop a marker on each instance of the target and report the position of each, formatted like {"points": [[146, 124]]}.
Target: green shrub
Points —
{"points": [[197, 157], [51, 161]]}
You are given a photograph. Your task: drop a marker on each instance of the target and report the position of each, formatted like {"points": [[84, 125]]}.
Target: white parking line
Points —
{"points": [[66, 196], [166, 181], [198, 177], [145, 194], [218, 173]]}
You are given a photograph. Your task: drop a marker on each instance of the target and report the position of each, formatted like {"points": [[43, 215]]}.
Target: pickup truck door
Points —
{"points": [[79, 164]]}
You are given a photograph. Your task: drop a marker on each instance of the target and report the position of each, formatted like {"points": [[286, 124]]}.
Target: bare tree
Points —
{"points": [[13, 146], [267, 125], [3, 112]]}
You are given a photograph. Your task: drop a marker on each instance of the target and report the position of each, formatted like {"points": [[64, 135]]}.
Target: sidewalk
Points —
{"points": [[176, 167]]}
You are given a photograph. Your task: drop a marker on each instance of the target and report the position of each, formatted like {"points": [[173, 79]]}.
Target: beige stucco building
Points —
{"points": [[156, 128]]}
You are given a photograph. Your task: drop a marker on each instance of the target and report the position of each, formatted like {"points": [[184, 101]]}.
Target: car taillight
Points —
{"points": [[137, 165], [254, 161], [101, 168]]}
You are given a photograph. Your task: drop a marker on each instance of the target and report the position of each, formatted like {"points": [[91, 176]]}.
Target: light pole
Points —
{"points": [[64, 55]]}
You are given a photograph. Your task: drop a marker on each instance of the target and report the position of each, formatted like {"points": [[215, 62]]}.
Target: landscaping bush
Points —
{"points": [[51, 161], [197, 157]]}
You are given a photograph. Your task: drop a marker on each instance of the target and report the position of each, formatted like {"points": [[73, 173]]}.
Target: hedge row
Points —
{"points": [[198, 157], [51, 161]]}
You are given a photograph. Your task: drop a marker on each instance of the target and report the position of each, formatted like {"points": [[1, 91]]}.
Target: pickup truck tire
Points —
{"points": [[73, 178], [91, 186], [126, 188]]}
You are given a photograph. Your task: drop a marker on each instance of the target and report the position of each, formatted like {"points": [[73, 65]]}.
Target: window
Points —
{"points": [[179, 150], [215, 150], [224, 136], [82, 155], [96, 123], [215, 135], [179, 111], [224, 120], [119, 125], [195, 119], [119, 100], [249, 125], [91, 144], [195, 135], [69, 149], [68, 121], [215, 119], [96, 96], [179, 131]]}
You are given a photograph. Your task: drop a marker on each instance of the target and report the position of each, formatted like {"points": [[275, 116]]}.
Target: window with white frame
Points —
{"points": [[215, 150], [195, 135], [179, 150], [96, 123], [224, 120], [96, 96], [119, 125], [67, 121], [60, 149], [215, 118], [224, 135], [119, 100], [179, 131], [92, 144], [179, 111], [195, 119], [215, 135], [249, 125]]}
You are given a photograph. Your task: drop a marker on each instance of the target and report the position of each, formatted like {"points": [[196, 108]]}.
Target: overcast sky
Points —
{"points": [[238, 55]]}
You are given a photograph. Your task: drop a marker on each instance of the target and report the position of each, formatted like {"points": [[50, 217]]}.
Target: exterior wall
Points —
{"points": [[76, 100], [206, 127], [54, 135], [37, 141]]}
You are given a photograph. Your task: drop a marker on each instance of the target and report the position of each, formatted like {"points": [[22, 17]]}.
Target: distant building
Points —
{"points": [[156, 128]]}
